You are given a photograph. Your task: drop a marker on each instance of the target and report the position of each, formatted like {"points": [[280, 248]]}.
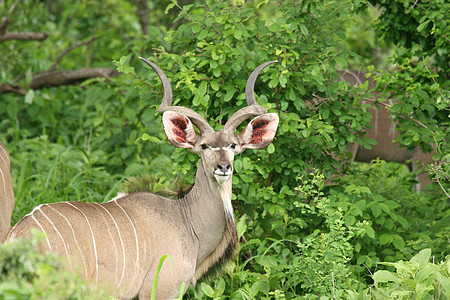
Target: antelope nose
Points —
{"points": [[224, 167]]}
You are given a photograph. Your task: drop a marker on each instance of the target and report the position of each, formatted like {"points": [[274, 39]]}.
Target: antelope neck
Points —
{"points": [[212, 220]]}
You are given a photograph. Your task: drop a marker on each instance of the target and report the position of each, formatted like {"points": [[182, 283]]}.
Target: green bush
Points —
{"points": [[397, 221], [28, 274], [417, 278]]}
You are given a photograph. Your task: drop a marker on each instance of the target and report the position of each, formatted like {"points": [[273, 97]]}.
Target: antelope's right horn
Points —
{"points": [[166, 103]]}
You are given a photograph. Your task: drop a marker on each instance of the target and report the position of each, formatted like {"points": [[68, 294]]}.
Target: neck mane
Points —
{"points": [[211, 216]]}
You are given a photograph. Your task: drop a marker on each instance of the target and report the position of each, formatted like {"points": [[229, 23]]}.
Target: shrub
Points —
{"points": [[28, 274]]}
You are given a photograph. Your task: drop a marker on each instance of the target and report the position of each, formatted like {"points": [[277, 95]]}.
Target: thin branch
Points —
{"points": [[303, 59], [13, 6], [23, 36], [440, 184], [58, 59], [432, 77], [402, 116]]}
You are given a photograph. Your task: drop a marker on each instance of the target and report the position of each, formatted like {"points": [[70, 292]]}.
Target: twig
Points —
{"points": [[303, 59], [402, 116], [442, 188], [58, 59], [13, 6], [23, 36], [432, 77]]}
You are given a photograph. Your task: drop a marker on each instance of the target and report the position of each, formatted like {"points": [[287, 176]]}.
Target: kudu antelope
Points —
{"points": [[117, 245], [384, 133]]}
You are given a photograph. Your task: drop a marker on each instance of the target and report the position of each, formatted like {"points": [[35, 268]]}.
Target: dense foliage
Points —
{"points": [[299, 237]]}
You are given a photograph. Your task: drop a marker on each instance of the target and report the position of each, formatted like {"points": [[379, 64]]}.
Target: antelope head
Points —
{"points": [[217, 148]]}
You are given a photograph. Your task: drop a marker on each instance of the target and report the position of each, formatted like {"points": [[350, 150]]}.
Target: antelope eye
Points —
{"points": [[204, 146], [233, 146]]}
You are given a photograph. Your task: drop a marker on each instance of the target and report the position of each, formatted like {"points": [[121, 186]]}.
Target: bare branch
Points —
{"points": [[6, 87], [69, 77], [4, 26], [11, 9], [303, 59], [58, 59], [23, 36]]}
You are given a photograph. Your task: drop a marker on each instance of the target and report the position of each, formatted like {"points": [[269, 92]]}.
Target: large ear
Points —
{"points": [[179, 130], [260, 132]]}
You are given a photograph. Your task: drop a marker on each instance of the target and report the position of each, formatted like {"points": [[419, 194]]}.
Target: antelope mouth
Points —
{"points": [[222, 177]]}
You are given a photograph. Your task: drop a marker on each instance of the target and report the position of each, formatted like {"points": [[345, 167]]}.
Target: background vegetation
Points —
{"points": [[368, 236]]}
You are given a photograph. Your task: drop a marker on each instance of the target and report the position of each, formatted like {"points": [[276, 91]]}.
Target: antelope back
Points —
{"points": [[384, 133], [6, 193]]}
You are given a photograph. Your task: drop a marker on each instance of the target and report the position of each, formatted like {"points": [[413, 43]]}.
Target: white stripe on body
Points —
{"points": [[40, 226], [4, 160], [4, 182], [121, 243], [136, 240], [74, 237], [93, 240], [59, 234], [112, 239]]}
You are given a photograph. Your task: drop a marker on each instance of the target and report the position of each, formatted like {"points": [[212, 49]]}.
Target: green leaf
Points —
{"points": [[304, 29], [398, 242], [349, 220], [422, 257], [229, 94], [196, 28], [215, 85], [241, 226], [217, 72], [271, 149], [29, 96], [207, 289], [169, 7], [385, 238], [385, 276], [423, 25], [202, 88], [246, 178], [238, 165], [376, 211], [422, 94], [237, 34], [153, 139], [202, 34]]}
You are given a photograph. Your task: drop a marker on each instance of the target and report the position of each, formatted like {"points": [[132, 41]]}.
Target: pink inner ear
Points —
{"points": [[179, 129], [259, 129]]}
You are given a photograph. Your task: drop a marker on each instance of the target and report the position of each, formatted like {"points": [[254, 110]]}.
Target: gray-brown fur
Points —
{"points": [[6, 193]]}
